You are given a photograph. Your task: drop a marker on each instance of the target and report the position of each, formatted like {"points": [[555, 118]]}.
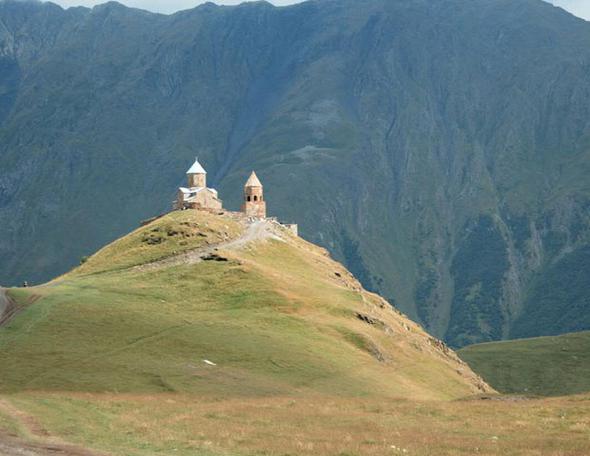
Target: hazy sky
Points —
{"points": [[578, 7], [162, 6]]}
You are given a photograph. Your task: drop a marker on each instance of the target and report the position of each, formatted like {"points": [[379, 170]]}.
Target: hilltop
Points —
{"points": [[544, 366], [271, 311], [439, 149]]}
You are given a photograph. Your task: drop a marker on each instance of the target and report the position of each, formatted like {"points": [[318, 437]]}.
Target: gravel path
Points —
{"points": [[258, 230]]}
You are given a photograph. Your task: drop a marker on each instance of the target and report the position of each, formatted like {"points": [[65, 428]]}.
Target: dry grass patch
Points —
{"points": [[311, 424], [171, 235]]}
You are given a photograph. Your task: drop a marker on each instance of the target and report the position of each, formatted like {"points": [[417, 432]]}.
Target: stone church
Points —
{"points": [[198, 196]]}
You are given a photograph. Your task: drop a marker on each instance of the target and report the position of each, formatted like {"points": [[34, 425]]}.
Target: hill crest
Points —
{"points": [[271, 311]]}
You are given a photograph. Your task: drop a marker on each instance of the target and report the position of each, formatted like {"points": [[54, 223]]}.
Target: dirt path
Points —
{"points": [[42, 444], [3, 302], [7, 308], [13, 446], [258, 230]]}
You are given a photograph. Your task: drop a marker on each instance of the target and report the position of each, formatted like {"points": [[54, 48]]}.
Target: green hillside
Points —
{"points": [[439, 149], [208, 335], [274, 316], [545, 366]]}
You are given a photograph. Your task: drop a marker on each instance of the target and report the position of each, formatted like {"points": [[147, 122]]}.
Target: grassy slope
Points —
{"points": [[547, 366], [173, 234], [312, 425], [275, 318], [114, 360]]}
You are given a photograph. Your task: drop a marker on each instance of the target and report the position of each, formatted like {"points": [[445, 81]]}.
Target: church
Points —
{"points": [[198, 196]]}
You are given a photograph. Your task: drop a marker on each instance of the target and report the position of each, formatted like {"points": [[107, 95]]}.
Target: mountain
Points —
{"points": [[440, 150], [210, 304], [545, 366]]}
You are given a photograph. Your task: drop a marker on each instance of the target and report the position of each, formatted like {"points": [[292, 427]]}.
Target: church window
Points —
{"points": [[255, 198]]}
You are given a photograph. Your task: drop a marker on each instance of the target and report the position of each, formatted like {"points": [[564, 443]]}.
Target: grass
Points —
{"points": [[275, 318], [304, 361], [545, 366], [173, 234], [312, 424], [8, 425]]}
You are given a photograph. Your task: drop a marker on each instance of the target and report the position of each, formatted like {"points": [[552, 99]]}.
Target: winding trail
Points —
{"points": [[3, 302], [258, 230], [7, 308], [41, 443]]}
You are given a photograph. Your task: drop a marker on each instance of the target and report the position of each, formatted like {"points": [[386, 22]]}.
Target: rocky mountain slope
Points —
{"points": [[440, 149]]}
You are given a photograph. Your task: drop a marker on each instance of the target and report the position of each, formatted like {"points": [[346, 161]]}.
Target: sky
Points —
{"points": [[580, 8], [163, 6]]}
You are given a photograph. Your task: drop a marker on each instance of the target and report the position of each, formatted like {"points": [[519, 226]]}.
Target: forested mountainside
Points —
{"points": [[441, 150]]}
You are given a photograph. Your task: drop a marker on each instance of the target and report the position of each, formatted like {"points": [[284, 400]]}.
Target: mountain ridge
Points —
{"points": [[411, 139]]}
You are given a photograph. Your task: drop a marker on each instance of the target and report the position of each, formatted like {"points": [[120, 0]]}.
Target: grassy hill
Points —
{"points": [[547, 366], [205, 335], [275, 316]]}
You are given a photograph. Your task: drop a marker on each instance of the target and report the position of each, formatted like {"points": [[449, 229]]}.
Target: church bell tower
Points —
{"points": [[254, 204]]}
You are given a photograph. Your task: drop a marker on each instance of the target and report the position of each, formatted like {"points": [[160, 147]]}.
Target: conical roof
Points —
{"points": [[196, 168], [253, 181]]}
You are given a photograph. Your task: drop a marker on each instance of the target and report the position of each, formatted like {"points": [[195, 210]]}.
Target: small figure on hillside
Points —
{"points": [[25, 284]]}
